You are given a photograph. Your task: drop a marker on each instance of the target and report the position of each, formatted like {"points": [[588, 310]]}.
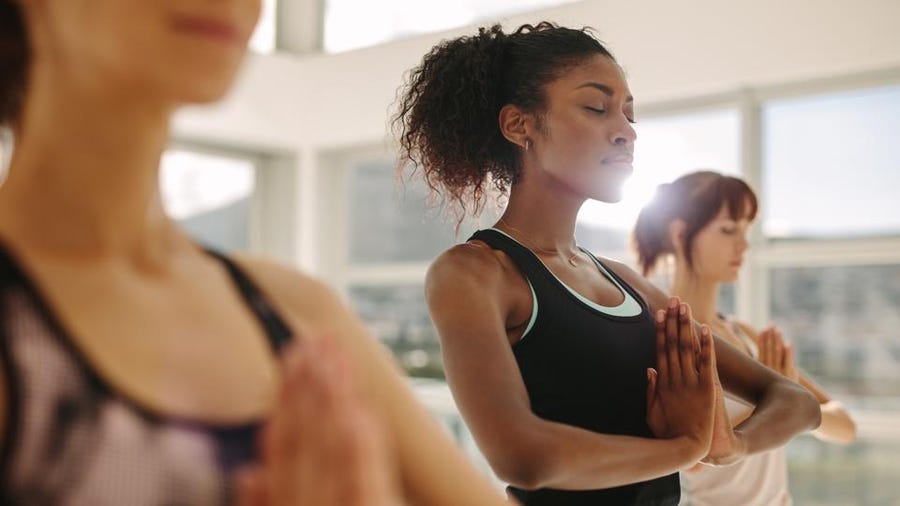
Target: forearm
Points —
{"points": [[783, 411], [569, 458], [837, 425]]}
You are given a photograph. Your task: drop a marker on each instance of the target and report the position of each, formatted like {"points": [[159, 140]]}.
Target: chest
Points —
{"points": [[183, 345]]}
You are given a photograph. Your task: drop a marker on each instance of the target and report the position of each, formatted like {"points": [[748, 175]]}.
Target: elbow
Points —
{"points": [[809, 406], [837, 424], [526, 468], [522, 476]]}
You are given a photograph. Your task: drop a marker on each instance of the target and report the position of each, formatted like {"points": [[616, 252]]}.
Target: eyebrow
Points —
{"points": [[604, 88]]}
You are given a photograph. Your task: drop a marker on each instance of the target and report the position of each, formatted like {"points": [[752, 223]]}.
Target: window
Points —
{"points": [[843, 321], [393, 232], [830, 165], [829, 176], [353, 24], [392, 222], [263, 39], [6, 147], [210, 196], [398, 317]]}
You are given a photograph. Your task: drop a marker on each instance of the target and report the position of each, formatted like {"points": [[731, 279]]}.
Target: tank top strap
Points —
{"points": [[527, 262], [276, 329], [739, 332]]}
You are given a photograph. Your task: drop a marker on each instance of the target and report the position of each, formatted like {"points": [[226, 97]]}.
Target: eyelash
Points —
{"points": [[603, 111]]}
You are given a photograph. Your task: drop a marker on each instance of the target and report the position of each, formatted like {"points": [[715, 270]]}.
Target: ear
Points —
{"points": [[514, 124], [676, 236]]}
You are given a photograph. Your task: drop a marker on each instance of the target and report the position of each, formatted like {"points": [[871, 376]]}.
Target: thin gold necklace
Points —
{"points": [[536, 249]]}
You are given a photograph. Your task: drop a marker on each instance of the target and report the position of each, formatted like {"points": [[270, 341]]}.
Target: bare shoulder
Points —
{"points": [[470, 261], [748, 330], [296, 294]]}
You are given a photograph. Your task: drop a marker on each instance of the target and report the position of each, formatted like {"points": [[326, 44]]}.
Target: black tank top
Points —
{"points": [[71, 438], [586, 368]]}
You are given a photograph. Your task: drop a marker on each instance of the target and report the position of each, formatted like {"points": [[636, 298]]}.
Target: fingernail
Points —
{"points": [[682, 310], [661, 316], [673, 303]]}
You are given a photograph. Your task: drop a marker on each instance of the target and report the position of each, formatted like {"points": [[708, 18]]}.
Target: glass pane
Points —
{"points": [[844, 323], [6, 146], [667, 147], [352, 24], [392, 221], [398, 316], [864, 473], [263, 38], [209, 195], [832, 164]]}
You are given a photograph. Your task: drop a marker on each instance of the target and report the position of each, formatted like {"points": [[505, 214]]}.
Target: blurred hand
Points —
{"points": [[322, 446], [777, 354]]}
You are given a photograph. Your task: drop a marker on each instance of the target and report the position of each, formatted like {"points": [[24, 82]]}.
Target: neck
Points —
{"points": [[700, 294], [543, 215], [84, 174]]}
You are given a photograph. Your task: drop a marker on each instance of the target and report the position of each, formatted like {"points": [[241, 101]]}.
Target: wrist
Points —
{"points": [[689, 450], [737, 450]]}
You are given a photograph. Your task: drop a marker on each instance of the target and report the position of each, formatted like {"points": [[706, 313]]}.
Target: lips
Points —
{"points": [[222, 31], [620, 158]]}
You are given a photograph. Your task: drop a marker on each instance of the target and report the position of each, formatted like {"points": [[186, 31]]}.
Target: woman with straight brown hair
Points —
{"points": [[700, 220]]}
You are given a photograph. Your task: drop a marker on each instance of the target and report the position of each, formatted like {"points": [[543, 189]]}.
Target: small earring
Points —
{"points": [[527, 144]]}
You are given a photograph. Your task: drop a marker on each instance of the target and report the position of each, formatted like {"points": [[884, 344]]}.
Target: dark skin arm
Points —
{"points": [[469, 297], [783, 409]]}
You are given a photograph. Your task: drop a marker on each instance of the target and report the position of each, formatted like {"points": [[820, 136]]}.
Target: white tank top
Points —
{"points": [[758, 480]]}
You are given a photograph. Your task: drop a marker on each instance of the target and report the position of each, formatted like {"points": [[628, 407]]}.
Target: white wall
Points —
{"points": [[671, 51]]}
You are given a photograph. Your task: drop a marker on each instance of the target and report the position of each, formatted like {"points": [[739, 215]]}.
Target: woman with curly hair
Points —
{"points": [[581, 382], [700, 220], [137, 367]]}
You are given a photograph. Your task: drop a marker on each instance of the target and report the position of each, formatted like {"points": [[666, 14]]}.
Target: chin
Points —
{"points": [[731, 277], [201, 91], [611, 196]]}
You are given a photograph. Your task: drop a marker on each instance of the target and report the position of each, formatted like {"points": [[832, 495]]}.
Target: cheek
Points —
{"points": [[710, 253]]}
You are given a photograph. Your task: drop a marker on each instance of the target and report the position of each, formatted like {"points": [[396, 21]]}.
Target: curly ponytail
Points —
{"points": [[447, 119], [13, 62]]}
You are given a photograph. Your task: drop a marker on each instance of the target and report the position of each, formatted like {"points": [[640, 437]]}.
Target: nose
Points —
{"points": [[624, 134], [743, 244]]}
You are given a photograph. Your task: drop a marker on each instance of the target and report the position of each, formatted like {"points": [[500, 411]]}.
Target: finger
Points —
{"points": [[662, 360], [687, 339], [764, 348], [777, 353], [368, 457], [250, 487], [789, 364], [672, 342], [707, 364], [651, 388]]}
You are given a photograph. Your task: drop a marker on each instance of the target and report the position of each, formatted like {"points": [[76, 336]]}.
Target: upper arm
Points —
{"points": [[466, 291]]}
